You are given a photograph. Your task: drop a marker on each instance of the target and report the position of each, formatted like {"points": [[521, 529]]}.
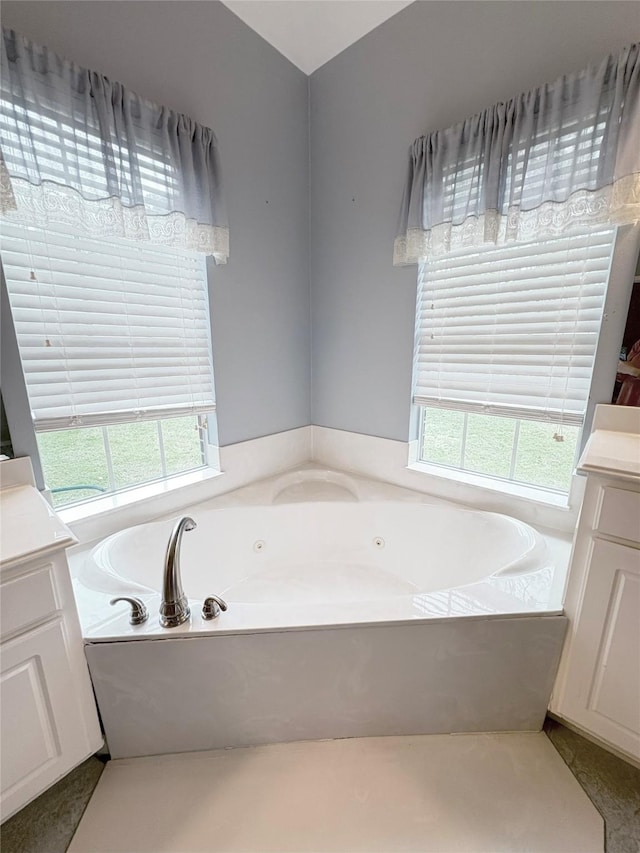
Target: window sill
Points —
{"points": [[500, 487], [111, 503]]}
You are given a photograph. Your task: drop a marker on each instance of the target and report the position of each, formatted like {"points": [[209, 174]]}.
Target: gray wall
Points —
{"points": [[200, 59], [429, 66]]}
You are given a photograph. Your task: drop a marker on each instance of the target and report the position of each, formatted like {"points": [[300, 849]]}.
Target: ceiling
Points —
{"points": [[311, 32]]}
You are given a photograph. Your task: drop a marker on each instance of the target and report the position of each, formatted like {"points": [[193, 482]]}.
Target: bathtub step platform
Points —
{"points": [[440, 793]]}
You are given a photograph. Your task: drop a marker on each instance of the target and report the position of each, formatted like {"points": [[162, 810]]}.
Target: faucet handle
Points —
{"points": [[212, 606], [139, 612]]}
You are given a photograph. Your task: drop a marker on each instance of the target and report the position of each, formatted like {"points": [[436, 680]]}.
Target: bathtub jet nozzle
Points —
{"points": [[174, 608]]}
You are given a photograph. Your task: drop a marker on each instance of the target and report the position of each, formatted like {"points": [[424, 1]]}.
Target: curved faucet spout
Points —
{"points": [[174, 609]]}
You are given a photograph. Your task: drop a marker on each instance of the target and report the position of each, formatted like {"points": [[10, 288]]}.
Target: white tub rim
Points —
{"points": [[100, 622]]}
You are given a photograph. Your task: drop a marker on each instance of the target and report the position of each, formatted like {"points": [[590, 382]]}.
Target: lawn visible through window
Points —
{"points": [[84, 463], [531, 452]]}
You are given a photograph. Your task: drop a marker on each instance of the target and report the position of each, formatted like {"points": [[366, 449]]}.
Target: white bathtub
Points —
{"points": [[354, 608], [319, 548]]}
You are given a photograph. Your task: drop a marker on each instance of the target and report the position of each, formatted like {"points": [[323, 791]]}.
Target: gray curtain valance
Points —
{"points": [[81, 150], [534, 167]]}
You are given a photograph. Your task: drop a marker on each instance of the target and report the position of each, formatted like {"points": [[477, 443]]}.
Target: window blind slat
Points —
{"points": [[109, 332]]}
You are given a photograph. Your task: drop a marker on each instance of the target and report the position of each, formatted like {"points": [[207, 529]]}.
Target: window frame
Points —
{"points": [[18, 409], [624, 259], [112, 489], [512, 480]]}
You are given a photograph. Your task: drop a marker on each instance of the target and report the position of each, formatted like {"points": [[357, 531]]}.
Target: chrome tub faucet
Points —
{"points": [[174, 608]]}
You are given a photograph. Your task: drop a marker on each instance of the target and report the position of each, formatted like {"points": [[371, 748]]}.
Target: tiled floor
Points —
{"points": [[47, 824], [612, 785], [506, 792]]}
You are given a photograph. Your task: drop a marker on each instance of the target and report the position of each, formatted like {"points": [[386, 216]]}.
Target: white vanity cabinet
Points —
{"points": [[598, 686], [48, 717]]}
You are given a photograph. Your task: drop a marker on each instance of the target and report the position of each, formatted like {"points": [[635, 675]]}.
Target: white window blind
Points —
{"points": [[513, 330], [109, 331]]}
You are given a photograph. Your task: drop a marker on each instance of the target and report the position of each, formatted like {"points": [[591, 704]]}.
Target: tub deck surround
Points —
{"points": [[397, 462], [198, 693], [355, 608], [240, 465], [362, 456], [316, 547]]}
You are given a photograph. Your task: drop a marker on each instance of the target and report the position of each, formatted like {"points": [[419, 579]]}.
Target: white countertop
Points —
{"points": [[29, 526], [613, 447], [613, 453]]}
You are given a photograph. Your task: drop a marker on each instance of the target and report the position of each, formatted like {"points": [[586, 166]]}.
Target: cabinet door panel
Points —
{"points": [[42, 733], [619, 513], [28, 599], [25, 709], [603, 685], [616, 688]]}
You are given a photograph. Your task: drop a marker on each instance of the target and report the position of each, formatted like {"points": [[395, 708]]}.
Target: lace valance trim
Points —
{"points": [[50, 203], [617, 204]]}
